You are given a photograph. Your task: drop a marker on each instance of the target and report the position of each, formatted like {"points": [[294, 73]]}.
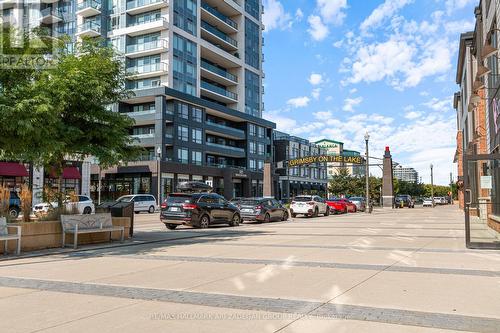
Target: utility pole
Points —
{"points": [[367, 176], [158, 171], [432, 185]]}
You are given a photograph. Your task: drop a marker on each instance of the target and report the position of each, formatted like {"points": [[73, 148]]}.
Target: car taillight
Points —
{"points": [[189, 206], [258, 207], [164, 205], [311, 203]]}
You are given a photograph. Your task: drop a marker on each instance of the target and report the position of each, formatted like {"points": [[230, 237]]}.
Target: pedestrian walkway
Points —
{"points": [[394, 271]]}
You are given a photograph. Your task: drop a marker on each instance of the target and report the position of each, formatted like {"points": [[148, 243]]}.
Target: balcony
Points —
{"points": [[218, 93], [88, 29], [145, 49], [138, 85], [224, 150], [224, 131], [142, 117], [217, 74], [151, 70], [50, 16], [88, 8], [225, 166], [140, 6], [46, 1], [144, 140], [216, 18], [154, 24], [218, 37]]}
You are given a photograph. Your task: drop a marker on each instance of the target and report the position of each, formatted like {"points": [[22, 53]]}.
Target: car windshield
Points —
{"points": [[356, 199], [124, 199], [302, 199], [176, 199], [249, 202]]}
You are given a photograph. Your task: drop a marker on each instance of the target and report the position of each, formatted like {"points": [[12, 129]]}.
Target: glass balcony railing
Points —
{"points": [[218, 90], [50, 11], [236, 149], [90, 25], [147, 20], [155, 44], [219, 33], [224, 166], [140, 3], [146, 68], [219, 15], [225, 127], [218, 71], [89, 4]]}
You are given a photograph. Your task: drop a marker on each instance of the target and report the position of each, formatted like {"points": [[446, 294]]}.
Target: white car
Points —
{"points": [[142, 202], [309, 205], [427, 202], [84, 205]]}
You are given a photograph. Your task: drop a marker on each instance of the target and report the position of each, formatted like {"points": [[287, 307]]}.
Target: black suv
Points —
{"points": [[262, 210], [404, 200], [198, 210]]}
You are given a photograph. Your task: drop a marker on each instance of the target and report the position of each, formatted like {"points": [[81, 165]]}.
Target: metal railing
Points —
{"points": [[219, 15], [90, 25], [225, 127], [89, 4], [218, 33], [240, 150], [155, 44], [141, 3], [147, 68], [218, 90], [149, 20], [218, 71]]}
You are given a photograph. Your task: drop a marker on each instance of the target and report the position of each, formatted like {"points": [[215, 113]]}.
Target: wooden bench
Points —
{"points": [[5, 236], [86, 224]]}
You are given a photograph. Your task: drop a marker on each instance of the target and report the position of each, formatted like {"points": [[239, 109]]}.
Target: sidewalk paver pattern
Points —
{"points": [[392, 271]]}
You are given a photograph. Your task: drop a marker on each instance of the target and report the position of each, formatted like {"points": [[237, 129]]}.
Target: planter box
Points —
{"points": [[47, 235]]}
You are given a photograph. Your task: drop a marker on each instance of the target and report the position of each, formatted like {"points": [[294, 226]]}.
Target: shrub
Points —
{"points": [[26, 198], [4, 201]]}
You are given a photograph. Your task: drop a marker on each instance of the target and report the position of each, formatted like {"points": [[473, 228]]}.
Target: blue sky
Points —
{"points": [[338, 68]]}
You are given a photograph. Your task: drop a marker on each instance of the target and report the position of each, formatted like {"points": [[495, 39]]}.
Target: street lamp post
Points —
{"points": [[432, 185], [367, 175], [158, 172]]}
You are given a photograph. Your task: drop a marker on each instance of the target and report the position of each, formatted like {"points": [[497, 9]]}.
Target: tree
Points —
{"points": [[344, 184], [63, 112]]}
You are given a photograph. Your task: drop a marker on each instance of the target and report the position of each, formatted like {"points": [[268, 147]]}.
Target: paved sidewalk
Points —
{"points": [[393, 271]]}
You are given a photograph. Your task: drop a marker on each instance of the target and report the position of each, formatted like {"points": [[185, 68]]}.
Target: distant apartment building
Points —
{"points": [[195, 68], [336, 148], [406, 174]]}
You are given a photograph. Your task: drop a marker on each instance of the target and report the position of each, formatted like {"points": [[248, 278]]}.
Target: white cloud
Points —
{"points": [[332, 10], [299, 14], [329, 98], [298, 102], [452, 5], [315, 79], [275, 16], [350, 103], [323, 115], [316, 93], [317, 29], [439, 104], [413, 115], [456, 27], [382, 12], [353, 91]]}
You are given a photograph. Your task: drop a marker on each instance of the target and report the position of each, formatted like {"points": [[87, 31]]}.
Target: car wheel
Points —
{"points": [[345, 210], [285, 216], [14, 212], [171, 226], [87, 210], [267, 218], [136, 212], [316, 212], [294, 215], [327, 212], [151, 210], [204, 222], [235, 221]]}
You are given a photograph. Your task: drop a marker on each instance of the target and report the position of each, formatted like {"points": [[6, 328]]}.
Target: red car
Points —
{"points": [[342, 205]]}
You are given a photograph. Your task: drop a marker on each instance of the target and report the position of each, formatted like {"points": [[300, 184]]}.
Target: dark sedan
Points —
{"points": [[262, 210], [198, 210]]}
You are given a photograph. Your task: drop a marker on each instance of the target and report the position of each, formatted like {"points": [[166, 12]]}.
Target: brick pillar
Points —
{"points": [[387, 184]]}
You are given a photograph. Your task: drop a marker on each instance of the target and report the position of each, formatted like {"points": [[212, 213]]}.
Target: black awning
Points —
{"points": [[305, 186], [294, 186], [316, 187]]}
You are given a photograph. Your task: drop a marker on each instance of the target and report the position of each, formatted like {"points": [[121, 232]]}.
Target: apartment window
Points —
{"points": [[260, 149], [253, 148], [261, 132], [252, 46], [252, 165], [143, 130], [252, 93], [183, 110], [252, 130], [185, 15], [196, 157], [144, 84], [197, 135], [183, 155], [185, 73], [183, 133], [260, 165], [196, 115], [252, 7]]}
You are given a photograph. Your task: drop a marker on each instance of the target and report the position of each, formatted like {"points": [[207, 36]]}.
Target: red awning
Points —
{"points": [[13, 169], [68, 173]]}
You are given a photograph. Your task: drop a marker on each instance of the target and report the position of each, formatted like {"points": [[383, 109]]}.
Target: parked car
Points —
{"points": [[404, 200], [262, 210], [142, 202], [349, 207], [84, 205], [14, 205], [309, 205], [440, 201], [337, 206], [427, 202], [360, 203], [198, 210]]}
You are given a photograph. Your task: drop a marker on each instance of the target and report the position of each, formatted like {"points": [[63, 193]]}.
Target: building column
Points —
{"points": [[387, 183]]}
